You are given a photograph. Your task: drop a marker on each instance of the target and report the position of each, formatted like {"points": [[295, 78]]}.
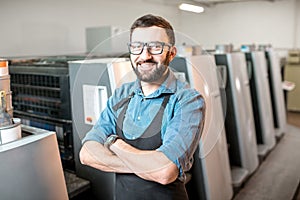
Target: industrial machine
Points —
{"points": [[291, 74], [261, 99], [276, 91], [30, 165], [10, 128], [239, 121], [41, 98], [91, 83], [210, 177]]}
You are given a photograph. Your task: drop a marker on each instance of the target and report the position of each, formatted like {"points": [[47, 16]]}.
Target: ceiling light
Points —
{"points": [[191, 8]]}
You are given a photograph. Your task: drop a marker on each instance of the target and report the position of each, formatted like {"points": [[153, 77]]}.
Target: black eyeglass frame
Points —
{"points": [[146, 44]]}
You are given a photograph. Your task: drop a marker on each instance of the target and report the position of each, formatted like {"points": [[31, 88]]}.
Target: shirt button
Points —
{"points": [[139, 117]]}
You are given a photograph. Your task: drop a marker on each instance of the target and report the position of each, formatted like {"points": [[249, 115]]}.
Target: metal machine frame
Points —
{"points": [[239, 122], [109, 73], [277, 96], [211, 177], [261, 102]]}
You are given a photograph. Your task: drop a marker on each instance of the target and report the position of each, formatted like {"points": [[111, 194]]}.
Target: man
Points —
{"points": [[150, 129]]}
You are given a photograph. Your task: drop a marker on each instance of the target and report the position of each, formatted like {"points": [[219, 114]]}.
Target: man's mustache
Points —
{"points": [[146, 61]]}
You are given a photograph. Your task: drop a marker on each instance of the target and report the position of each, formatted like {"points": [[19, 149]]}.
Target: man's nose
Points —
{"points": [[145, 55]]}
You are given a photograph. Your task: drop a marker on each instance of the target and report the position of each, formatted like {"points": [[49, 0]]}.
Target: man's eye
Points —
{"points": [[157, 46]]}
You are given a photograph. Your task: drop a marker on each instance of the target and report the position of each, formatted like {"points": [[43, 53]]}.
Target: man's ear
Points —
{"points": [[173, 52]]}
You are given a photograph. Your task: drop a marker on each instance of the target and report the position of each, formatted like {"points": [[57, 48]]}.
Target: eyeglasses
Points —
{"points": [[154, 48]]}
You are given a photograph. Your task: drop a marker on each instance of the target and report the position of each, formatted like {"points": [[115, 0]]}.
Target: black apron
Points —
{"points": [[132, 187]]}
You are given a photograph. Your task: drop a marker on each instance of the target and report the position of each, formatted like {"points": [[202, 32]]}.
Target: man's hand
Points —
{"points": [[147, 164], [96, 155]]}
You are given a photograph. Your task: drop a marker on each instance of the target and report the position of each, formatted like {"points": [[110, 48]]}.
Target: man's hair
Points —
{"points": [[151, 20]]}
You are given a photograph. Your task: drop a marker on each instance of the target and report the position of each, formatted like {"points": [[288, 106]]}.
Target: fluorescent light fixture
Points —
{"points": [[191, 8]]}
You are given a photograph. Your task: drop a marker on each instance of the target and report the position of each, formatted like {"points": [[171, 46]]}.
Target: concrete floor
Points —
{"points": [[278, 176]]}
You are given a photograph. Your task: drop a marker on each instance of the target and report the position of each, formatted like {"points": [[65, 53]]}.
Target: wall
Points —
{"points": [[53, 27], [297, 24], [257, 22]]}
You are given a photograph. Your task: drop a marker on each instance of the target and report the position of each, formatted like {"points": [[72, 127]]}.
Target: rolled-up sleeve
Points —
{"points": [[183, 131]]}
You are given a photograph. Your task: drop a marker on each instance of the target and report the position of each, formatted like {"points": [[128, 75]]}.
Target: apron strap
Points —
{"points": [[155, 124], [121, 103]]}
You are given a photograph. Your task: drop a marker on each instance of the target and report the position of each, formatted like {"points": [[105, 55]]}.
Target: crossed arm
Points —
{"points": [[148, 164]]}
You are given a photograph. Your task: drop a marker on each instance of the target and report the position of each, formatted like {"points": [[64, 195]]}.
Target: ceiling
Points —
{"points": [[207, 3], [214, 2]]}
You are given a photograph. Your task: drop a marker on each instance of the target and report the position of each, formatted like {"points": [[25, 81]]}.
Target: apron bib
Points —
{"points": [[132, 187]]}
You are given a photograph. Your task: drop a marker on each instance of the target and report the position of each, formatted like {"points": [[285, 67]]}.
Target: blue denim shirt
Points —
{"points": [[181, 125]]}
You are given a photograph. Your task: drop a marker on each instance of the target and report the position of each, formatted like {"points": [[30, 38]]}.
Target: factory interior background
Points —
{"points": [[58, 31]]}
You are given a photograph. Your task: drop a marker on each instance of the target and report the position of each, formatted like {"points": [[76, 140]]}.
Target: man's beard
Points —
{"points": [[155, 74]]}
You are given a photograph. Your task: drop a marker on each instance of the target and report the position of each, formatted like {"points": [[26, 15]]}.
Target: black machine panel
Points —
{"points": [[230, 124], [41, 98], [254, 97]]}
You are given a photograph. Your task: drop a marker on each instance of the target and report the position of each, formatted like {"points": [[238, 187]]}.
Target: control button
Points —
{"points": [[89, 119]]}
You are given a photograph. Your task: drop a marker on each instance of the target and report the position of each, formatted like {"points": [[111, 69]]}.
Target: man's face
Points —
{"points": [[148, 67]]}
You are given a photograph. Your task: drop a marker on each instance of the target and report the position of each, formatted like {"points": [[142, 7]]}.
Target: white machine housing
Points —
{"points": [[213, 155], [31, 168], [103, 75], [261, 102], [241, 129], [277, 95]]}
